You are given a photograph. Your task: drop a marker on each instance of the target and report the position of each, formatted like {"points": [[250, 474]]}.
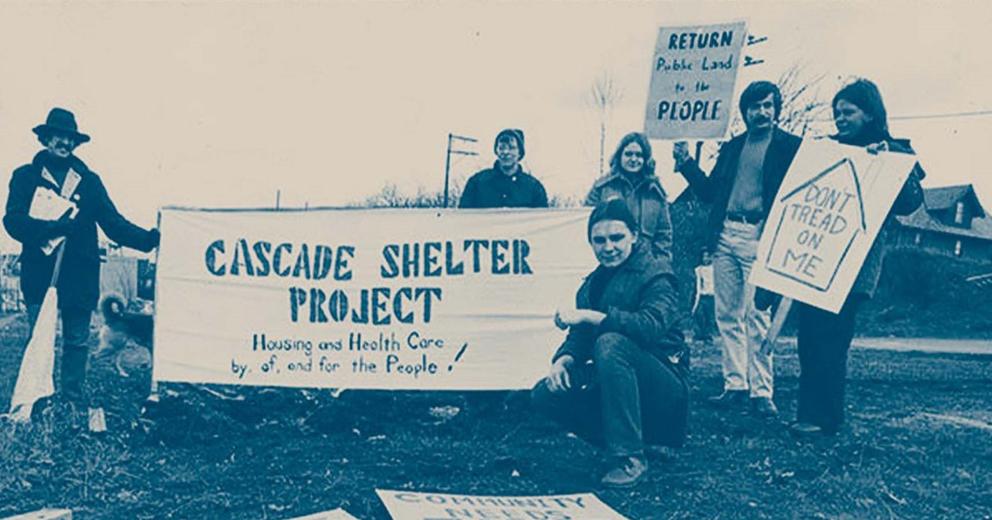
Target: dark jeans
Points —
{"points": [[704, 319], [824, 339], [629, 397], [75, 353]]}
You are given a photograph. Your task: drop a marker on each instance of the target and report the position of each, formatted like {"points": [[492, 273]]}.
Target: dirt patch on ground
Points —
{"points": [[281, 453]]}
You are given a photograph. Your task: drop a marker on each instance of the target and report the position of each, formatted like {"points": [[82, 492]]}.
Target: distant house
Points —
{"points": [[951, 222]]}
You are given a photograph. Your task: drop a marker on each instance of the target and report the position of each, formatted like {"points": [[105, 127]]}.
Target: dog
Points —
{"points": [[125, 336]]}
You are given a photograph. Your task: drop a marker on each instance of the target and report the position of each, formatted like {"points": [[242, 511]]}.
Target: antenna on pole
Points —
{"points": [[447, 158]]}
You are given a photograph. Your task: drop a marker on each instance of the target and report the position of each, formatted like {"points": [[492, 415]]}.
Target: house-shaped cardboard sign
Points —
{"points": [[832, 203], [821, 219]]}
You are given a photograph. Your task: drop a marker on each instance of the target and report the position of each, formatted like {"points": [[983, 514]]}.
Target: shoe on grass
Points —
{"points": [[729, 399], [625, 472], [805, 428]]}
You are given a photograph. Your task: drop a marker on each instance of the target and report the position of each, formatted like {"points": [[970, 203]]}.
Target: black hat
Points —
{"points": [[515, 133], [612, 209], [62, 121]]}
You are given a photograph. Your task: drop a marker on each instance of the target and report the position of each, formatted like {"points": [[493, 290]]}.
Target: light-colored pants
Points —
{"points": [[742, 326]]}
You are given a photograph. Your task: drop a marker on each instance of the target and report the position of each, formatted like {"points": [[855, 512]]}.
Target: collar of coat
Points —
{"points": [[76, 171], [641, 261], [499, 171], [896, 144], [778, 135], [649, 182], [41, 161]]}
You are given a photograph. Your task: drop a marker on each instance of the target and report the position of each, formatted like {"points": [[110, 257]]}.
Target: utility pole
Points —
{"points": [[447, 158]]}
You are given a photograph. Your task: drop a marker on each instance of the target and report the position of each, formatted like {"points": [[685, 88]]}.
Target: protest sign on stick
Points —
{"points": [[693, 74], [360, 298], [825, 218], [407, 505]]}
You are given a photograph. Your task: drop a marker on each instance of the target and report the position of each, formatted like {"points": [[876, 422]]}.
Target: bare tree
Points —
{"points": [[604, 95], [801, 103], [390, 196]]}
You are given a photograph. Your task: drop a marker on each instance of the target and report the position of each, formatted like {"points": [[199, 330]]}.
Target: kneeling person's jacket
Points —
{"points": [[640, 301]]}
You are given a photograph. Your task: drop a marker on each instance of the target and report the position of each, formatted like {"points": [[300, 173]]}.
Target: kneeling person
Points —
{"points": [[620, 378]]}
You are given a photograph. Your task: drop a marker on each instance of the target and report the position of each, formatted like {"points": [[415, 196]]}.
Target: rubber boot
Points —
{"points": [[74, 360]]}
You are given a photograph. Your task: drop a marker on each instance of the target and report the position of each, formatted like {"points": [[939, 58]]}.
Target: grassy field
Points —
{"points": [[917, 446]]}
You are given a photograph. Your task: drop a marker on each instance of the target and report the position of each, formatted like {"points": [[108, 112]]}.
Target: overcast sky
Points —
{"points": [[222, 103]]}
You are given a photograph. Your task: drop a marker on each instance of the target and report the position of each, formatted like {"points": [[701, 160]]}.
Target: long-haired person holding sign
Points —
{"points": [[825, 337], [632, 179], [619, 379]]}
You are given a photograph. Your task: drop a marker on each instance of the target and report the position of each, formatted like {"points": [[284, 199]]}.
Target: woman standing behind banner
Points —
{"points": [[632, 179], [825, 337]]}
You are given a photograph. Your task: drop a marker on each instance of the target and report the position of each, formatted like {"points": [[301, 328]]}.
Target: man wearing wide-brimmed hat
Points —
{"points": [[57, 169]]}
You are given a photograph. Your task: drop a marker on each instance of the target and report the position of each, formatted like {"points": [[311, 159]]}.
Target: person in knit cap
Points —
{"points": [[506, 184], [57, 169], [619, 380]]}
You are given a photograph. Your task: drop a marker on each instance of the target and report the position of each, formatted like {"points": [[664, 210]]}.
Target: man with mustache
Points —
{"points": [[506, 184], [56, 168], [741, 189]]}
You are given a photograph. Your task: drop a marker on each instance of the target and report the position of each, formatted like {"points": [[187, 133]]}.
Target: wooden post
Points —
{"points": [[447, 169]]}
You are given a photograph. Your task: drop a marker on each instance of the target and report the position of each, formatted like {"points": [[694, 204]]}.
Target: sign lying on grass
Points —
{"points": [[391, 299], [44, 514], [831, 206], [693, 72], [406, 505]]}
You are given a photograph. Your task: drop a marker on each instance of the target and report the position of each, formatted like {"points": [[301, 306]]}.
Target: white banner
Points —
{"points": [[693, 73], [407, 505], [352, 298], [831, 206]]}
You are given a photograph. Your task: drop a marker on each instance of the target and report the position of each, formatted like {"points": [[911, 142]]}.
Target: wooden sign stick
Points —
{"points": [[778, 321]]}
